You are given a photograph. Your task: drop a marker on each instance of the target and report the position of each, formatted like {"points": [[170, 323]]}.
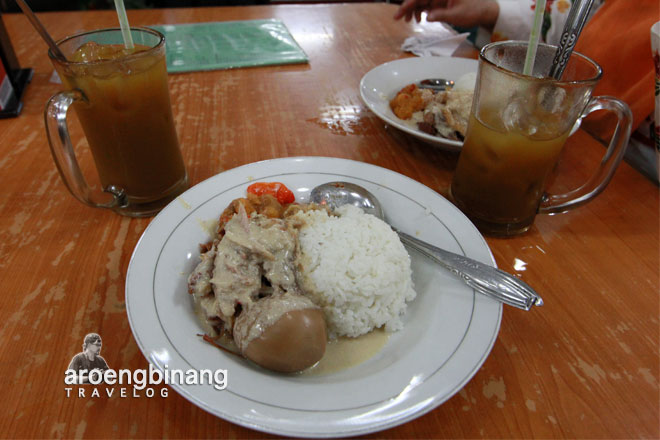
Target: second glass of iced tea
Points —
{"points": [[518, 126], [122, 100]]}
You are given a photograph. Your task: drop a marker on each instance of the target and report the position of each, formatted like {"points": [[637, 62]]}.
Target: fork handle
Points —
{"points": [[483, 278]]}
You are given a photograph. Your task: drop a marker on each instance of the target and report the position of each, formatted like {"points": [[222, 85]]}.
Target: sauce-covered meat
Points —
{"points": [[246, 287]]}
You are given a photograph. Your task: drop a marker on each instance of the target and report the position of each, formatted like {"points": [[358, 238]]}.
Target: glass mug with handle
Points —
{"points": [[518, 126], [122, 101]]}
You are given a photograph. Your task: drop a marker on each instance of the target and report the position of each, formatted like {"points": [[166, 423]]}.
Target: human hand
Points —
{"points": [[463, 13]]}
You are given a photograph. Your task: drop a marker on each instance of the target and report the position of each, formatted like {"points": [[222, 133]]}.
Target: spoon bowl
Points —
{"points": [[437, 84], [482, 278], [336, 194]]}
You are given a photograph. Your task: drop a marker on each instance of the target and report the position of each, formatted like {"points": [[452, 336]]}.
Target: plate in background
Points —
{"points": [[383, 82]]}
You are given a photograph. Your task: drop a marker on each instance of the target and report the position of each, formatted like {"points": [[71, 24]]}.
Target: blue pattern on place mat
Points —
{"points": [[229, 45]]}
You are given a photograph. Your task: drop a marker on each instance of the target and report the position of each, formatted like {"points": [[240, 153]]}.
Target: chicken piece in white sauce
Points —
{"points": [[249, 276]]}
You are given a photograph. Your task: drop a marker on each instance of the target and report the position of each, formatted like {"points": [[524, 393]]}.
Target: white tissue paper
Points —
{"points": [[434, 39]]}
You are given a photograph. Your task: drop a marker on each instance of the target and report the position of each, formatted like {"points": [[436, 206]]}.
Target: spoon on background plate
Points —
{"points": [[437, 84], [483, 278]]}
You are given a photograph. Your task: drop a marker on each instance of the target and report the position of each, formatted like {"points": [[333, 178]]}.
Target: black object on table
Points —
{"points": [[11, 92]]}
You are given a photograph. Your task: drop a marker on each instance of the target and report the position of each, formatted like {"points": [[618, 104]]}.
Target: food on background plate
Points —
{"points": [[280, 279], [438, 113], [409, 100]]}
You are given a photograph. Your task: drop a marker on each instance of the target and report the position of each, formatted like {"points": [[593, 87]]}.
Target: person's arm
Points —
{"points": [[463, 13], [75, 364], [497, 19], [105, 364], [514, 21], [516, 17]]}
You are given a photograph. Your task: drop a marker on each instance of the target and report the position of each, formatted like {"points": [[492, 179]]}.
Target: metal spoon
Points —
{"points": [[437, 84], [575, 21], [481, 277]]}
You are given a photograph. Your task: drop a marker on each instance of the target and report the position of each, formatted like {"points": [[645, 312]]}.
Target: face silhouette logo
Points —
{"points": [[89, 363]]}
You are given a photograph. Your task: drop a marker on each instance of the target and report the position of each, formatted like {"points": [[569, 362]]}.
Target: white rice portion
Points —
{"points": [[355, 268]]}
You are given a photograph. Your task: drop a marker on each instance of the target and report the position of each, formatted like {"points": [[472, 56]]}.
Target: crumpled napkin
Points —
{"points": [[439, 41]]}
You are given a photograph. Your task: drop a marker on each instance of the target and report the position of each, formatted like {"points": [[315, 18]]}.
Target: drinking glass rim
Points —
{"points": [[592, 80], [154, 32]]}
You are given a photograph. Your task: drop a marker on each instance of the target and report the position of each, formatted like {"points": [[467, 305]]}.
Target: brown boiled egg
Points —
{"points": [[284, 333]]}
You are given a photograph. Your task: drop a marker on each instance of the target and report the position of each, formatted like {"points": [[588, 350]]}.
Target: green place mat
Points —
{"points": [[229, 44]]}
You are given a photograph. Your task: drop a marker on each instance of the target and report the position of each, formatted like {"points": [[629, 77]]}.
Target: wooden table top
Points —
{"points": [[584, 365]]}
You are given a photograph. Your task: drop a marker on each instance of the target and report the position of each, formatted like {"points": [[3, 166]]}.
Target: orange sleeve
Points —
{"points": [[618, 37]]}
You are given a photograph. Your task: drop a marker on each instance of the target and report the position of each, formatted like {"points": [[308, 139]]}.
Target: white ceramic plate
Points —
{"points": [[382, 83], [449, 330]]}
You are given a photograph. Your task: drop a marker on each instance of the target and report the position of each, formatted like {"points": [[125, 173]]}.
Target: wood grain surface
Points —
{"points": [[585, 365]]}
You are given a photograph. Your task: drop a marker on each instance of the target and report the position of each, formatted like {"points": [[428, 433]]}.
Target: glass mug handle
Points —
{"points": [[65, 158], [555, 203]]}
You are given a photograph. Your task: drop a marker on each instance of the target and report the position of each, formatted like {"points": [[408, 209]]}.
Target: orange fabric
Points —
{"points": [[618, 37]]}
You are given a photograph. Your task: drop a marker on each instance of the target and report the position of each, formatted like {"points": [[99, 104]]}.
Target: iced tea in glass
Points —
{"points": [[518, 126], [122, 100]]}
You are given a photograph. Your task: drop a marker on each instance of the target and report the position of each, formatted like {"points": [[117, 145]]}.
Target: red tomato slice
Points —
{"points": [[275, 189]]}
